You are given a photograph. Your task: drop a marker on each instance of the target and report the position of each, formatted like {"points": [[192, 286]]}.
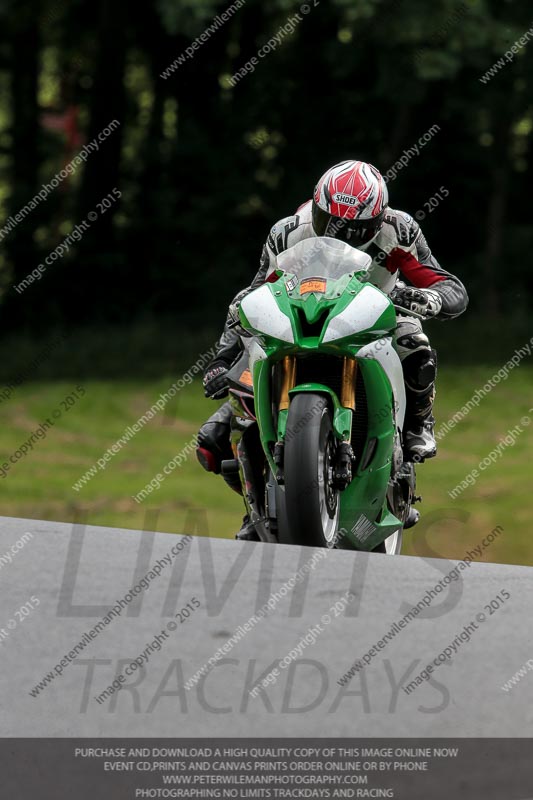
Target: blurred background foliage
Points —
{"points": [[205, 169]]}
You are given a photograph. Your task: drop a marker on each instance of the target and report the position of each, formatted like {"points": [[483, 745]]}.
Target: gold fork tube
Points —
{"points": [[349, 372], [288, 381]]}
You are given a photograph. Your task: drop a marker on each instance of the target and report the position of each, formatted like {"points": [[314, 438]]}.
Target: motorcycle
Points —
{"points": [[318, 405]]}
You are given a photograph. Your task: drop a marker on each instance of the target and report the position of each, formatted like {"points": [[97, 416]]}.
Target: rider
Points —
{"points": [[350, 202]]}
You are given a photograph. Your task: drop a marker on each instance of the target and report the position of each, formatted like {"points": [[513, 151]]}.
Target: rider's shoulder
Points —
{"points": [[405, 226], [287, 231]]}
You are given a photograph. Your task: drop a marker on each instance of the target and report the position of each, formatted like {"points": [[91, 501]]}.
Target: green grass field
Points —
{"points": [[39, 485]]}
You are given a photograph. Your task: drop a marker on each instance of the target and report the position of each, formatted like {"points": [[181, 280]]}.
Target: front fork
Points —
{"points": [[342, 470], [344, 456], [288, 382]]}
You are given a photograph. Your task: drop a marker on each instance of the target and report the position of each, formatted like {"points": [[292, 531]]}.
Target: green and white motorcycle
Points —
{"points": [[318, 404]]}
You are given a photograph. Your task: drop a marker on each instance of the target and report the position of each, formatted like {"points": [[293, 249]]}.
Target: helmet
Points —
{"points": [[349, 203]]}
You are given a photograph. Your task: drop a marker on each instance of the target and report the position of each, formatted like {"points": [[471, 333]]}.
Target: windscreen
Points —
{"points": [[322, 257]]}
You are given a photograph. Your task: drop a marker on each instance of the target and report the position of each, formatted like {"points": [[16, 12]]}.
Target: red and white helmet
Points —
{"points": [[349, 203]]}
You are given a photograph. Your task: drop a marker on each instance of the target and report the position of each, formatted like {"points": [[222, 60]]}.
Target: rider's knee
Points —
{"points": [[420, 368], [410, 341], [213, 445]]}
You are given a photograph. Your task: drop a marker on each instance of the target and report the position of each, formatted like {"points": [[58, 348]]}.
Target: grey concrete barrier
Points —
{"points": [[112, 632]]}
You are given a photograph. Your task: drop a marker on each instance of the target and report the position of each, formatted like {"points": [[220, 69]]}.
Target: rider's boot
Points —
{"points": [[420, 370], [419, 436], [213, 448], [247, 532]]}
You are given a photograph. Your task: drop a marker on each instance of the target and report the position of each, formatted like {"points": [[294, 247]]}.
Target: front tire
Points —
{"points": [[312, 504], [392, 545]]}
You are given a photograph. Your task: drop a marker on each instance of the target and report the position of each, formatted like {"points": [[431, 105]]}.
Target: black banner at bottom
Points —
{"points": [[405, 769]]}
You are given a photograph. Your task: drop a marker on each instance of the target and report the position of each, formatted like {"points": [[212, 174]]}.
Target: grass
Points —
{"points": [[39, 485]]}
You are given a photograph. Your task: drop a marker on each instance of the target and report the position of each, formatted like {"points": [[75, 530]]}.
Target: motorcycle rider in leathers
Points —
{"points": [[350, 202]]}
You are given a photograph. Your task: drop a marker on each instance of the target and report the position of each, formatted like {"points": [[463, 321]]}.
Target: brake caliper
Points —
{"points": [[342, 469], [278, 457]]}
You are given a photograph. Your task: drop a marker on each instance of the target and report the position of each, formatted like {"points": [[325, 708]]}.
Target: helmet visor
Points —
{"points": [[352, 231]]}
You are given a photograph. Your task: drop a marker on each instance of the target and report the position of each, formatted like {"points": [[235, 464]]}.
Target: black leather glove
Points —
{"points": [[215, 382], [422, 303]]}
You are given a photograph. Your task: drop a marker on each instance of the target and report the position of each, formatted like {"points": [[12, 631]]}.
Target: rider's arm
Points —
{"points": [[229, 346], [264, 264], [228, 350], [419, 267], [268, 260], [276, 243]]}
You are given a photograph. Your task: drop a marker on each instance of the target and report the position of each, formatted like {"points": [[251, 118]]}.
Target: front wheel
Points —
{"points": [[392, 545], [312, 504]]}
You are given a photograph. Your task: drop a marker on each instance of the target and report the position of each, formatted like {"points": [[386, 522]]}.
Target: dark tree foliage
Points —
{"points": [[204, 168]]}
